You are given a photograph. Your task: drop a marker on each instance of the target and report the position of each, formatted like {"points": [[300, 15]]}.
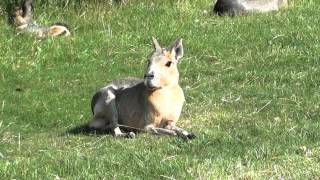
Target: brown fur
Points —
{"points": [[23, 20], [55, 30], [152, 104]]}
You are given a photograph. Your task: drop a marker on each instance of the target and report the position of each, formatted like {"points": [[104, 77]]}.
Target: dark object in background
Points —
{"points": [[235, 7], [230, 7]]}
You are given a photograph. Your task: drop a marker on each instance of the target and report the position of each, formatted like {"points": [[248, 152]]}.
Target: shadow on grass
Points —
{"points": [[85, 130]]}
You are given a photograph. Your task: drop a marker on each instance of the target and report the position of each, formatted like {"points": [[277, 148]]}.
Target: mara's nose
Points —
{"points": [[150, 75]]}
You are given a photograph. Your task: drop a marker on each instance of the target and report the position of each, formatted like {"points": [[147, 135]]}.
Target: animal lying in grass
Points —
{"points": [[152, 104], [234, 7], [23, 20]]}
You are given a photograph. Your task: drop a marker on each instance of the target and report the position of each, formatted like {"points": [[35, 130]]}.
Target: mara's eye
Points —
{"points": [[168, 64]]}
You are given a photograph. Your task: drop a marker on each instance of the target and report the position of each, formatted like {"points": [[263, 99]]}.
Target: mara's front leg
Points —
{"points": [[159, 131], [170, 130], [171, 125]]}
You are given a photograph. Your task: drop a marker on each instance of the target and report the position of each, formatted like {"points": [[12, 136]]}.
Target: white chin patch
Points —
{"points": [[151, 84]]}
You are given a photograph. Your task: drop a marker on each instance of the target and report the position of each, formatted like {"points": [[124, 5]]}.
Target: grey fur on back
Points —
{"points": [[126, 82], [231, 7], [115, 85], [235, 7]]}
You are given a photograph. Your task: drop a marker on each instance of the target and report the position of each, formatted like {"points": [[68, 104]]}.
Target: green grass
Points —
{"points": [[251, 83]]}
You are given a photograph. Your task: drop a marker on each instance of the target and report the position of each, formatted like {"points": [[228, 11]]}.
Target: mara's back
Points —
{"points": [[234, 7]]}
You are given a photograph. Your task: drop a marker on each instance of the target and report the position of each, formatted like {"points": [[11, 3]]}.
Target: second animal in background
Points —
{"points": [[23, 21], [152, 104], [235, 7]]}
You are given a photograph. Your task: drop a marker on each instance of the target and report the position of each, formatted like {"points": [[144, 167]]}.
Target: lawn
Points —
{"points": [[252, 86]]}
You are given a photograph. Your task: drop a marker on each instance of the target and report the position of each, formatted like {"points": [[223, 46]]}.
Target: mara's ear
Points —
{"points": [[177, 49], [156, 45], [27, 8]]}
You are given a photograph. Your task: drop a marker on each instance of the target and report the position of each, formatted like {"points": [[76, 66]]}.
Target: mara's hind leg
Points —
{"points": [[106, 114], [99, 122]]}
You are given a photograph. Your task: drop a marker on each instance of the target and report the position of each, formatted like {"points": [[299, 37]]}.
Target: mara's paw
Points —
{"points": [[130, 135], [190, 136]]}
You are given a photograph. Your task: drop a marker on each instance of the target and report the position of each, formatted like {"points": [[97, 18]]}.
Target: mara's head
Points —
{"points": [[17, 16], [23, 14], [162, 70]]}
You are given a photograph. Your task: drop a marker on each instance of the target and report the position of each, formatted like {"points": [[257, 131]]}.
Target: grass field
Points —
{"points": [[252, 86]]}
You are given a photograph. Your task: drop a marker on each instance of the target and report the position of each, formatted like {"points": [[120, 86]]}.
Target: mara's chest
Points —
{"points": [[166, 104], [140, 108]]}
